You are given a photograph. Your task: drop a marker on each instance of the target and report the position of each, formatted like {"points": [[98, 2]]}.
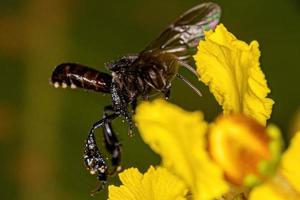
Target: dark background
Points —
{"points": [[42, 129]]}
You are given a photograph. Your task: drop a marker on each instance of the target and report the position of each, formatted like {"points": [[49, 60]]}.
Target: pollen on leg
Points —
{"points": [[102, 169], [119, 168]]}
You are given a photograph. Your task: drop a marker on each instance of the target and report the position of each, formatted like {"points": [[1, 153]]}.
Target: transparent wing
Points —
{"points": [[182, 36]]}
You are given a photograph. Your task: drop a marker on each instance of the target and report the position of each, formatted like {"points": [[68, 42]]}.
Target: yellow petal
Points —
{"points": [[286, 184], [290, 164], [276, 188], [231, 69], [267, 192], [179, 138], [155, 184]]}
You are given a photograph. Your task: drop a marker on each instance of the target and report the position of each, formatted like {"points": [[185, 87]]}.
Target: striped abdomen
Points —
{"points": [[76, 75]]}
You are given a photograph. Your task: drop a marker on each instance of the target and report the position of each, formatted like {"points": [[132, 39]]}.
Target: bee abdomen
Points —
{"points": [[79, 76]]}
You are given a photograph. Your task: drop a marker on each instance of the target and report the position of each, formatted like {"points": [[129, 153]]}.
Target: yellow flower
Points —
{"points": [[178, 137], [286, 184], [231, 69], [236, 149], [155, 184], [291, 162]]}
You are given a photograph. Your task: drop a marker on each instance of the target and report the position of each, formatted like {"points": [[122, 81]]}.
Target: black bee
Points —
{"points": [[137, 76]]}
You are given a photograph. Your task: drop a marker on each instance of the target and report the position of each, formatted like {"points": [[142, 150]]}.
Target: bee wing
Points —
{"points": [[183, 35]]}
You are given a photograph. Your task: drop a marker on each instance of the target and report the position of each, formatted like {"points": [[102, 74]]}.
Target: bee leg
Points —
{"points": [[134, 105], [167, 91], [93, 160], [128, 118], [111, 141], [121, 106]]}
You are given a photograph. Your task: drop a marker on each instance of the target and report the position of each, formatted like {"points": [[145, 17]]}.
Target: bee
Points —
{"points": [[135, 77]]}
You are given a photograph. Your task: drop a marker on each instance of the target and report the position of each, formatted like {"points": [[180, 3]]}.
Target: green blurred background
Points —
{"points": [[42, 129]]}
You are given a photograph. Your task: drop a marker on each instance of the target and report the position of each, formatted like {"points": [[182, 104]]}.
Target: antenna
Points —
{"points": [[189, 84], [188, 67]]}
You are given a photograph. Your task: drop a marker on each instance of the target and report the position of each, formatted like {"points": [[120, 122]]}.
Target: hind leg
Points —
{"points": [[111, 141], [93, 160]]}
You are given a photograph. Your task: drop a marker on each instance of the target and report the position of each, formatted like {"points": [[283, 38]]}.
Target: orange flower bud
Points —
{"points": [[238, 144]]}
